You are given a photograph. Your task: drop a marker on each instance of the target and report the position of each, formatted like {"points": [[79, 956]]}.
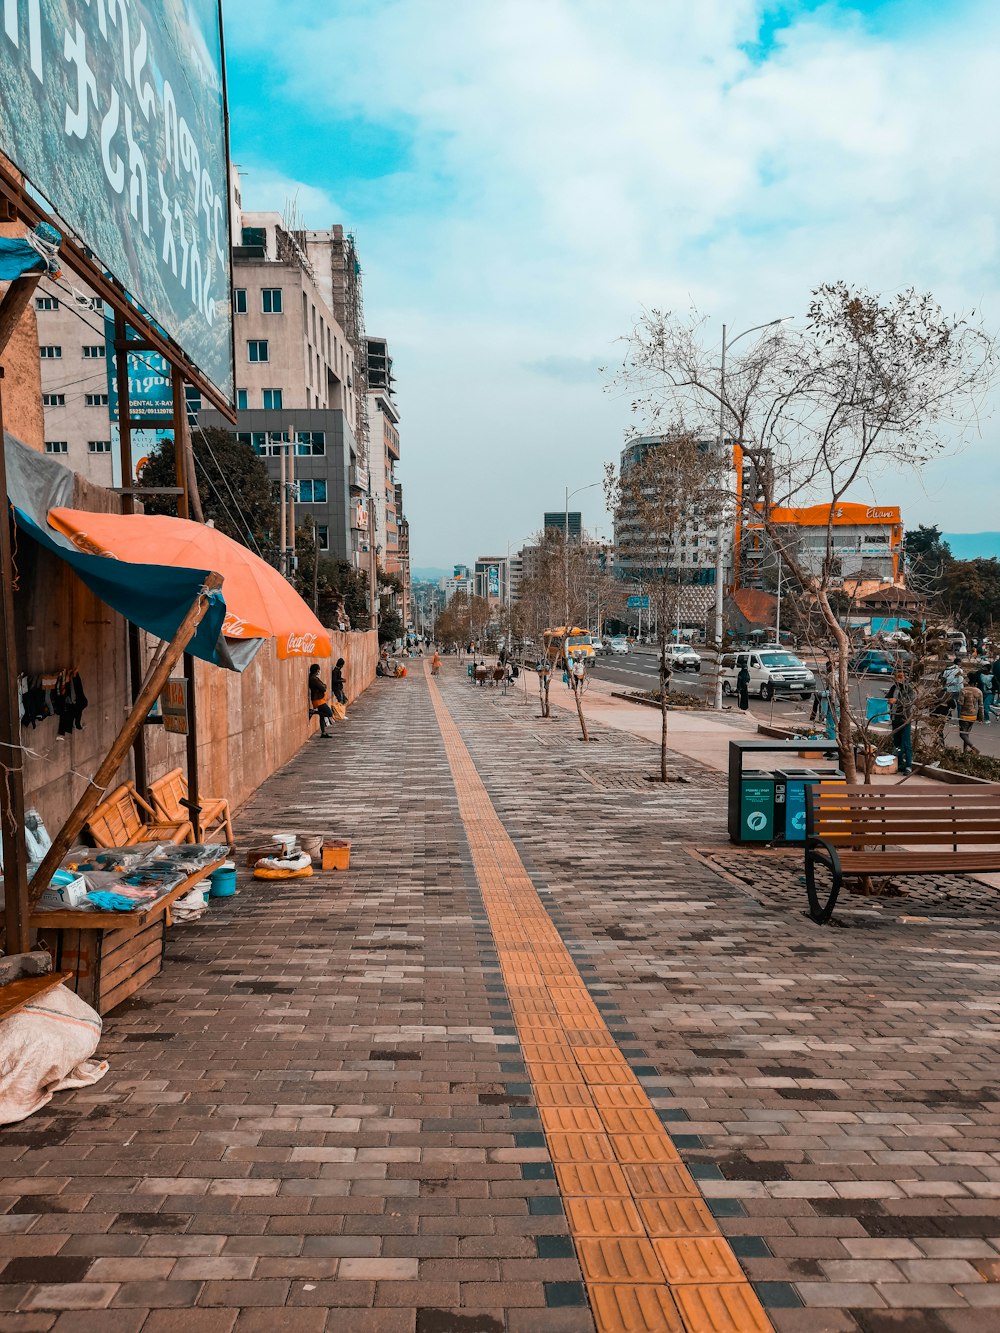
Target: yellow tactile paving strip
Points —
{"points": [[652, 1256]]}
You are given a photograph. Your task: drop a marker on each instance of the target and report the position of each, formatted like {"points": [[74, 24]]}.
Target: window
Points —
{"points": [[46, 303], [311, 442], [96, 399], [241, 400], [254, 235], [239, 300], [56, 447], [270, 300], [99, 446], [257, 350], [244, 437], [53, 400], [192, 399], [312, 492], [50, 353], [272, 400], [323, 533], [93, 352]]}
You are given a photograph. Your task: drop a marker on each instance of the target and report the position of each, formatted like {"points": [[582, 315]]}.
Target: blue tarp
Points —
{"points": [[154, 597], [17, 258]]}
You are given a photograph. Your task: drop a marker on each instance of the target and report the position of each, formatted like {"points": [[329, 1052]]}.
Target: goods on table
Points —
{"points": [[125, 879]]}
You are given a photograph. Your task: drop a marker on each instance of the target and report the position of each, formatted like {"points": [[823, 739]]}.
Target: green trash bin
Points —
{"points": [[756, 806]]}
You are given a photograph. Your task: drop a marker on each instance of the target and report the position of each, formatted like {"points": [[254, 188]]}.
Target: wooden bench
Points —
{"points": [[899, 830], [16, 994], [170, 801], [124, 817]]}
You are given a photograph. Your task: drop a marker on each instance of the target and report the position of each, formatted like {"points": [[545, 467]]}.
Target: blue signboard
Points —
{"points": [[150, 390], [638, 603]]}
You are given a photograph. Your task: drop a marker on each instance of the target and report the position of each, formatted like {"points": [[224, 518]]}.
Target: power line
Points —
{"points": [[78, 310]]}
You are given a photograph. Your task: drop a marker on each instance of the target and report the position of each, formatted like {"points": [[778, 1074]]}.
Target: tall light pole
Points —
{"points": [[569, 495], [721, 531]]}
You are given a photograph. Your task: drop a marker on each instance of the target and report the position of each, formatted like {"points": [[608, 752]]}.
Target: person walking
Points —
{"points": [[318, 700], [743, 686], [903, 699], [337, 682], [435, 663], [970, 711], [953, 678], [982, 678]]}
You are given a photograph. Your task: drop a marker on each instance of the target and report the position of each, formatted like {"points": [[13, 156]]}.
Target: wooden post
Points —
{"points": [[184, 454], [159, 670], [14, 303], [128, 507], [180, 460], [12, 307], [15, 857], [183, 474]]}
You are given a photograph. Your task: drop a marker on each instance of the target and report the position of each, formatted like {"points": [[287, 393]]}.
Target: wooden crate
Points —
{"points": [[109, 966], [336, 854]]}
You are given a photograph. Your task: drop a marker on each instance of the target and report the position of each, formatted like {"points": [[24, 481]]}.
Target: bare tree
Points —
{"points": [[866, 387], [565, 582], [665, 490]]}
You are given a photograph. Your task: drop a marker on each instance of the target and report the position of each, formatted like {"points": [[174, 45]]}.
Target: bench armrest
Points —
{"points": [[816, 844]]}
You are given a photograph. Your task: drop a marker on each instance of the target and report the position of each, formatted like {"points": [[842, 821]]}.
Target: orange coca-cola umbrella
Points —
{"points": [[260, 604]]}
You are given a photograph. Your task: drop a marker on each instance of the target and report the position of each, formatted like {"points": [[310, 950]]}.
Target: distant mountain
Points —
{"points": [[973, 545], [430, 574]]}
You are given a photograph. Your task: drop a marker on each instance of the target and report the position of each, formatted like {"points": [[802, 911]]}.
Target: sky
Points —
{"points": [[525, 177]]}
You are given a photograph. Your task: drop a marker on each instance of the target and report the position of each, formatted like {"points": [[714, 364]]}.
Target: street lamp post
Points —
{"points": [[720, 532], [569, 495]]}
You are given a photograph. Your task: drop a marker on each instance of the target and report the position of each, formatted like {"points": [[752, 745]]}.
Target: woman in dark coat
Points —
{"points": [[743, 687]]}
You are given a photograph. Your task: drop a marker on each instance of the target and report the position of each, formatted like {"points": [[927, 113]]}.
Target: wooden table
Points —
{"points": [[108, 956]]}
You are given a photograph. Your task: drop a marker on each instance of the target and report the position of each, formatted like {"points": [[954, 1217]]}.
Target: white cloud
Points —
{"points": [[573, 160]]}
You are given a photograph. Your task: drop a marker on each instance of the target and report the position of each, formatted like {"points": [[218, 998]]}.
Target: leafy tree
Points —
{"points": [[390, 626], [970, 591], [927, 557], [237, 493]]}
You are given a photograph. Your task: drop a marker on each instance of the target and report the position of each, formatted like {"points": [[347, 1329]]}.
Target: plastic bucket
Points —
{"points": [[223, 880]]}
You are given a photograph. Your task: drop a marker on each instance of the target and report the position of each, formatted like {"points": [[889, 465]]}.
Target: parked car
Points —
{"points": [[772, 671], [682, 657], [873, 662]]}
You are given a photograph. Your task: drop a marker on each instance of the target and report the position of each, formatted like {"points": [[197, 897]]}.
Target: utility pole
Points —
{"points": [[720, 533], [283, 489], [291, 501]]}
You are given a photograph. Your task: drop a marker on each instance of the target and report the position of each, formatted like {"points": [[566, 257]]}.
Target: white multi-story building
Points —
{"points": [[295, 379]]}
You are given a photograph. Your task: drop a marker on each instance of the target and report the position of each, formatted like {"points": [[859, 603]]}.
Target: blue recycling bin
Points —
{"points": [[795, 781]]}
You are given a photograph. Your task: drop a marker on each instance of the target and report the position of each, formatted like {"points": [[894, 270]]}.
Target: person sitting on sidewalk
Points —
{"points": [[318, 702]]}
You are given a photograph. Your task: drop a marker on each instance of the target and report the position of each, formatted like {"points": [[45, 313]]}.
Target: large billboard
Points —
{"points": [[115, 112]]}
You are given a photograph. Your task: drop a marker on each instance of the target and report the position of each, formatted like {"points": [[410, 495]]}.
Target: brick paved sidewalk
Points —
{"points": [[318, 1116]]}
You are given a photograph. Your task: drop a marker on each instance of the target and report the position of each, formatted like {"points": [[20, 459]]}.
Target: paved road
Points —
{"points": [[639, 671]]}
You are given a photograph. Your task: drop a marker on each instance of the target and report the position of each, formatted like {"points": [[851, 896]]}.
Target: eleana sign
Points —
{"points": [[115, 111]]}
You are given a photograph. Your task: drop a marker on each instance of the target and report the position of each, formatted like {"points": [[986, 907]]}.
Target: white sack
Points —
{"points": [[45, 1047]]}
